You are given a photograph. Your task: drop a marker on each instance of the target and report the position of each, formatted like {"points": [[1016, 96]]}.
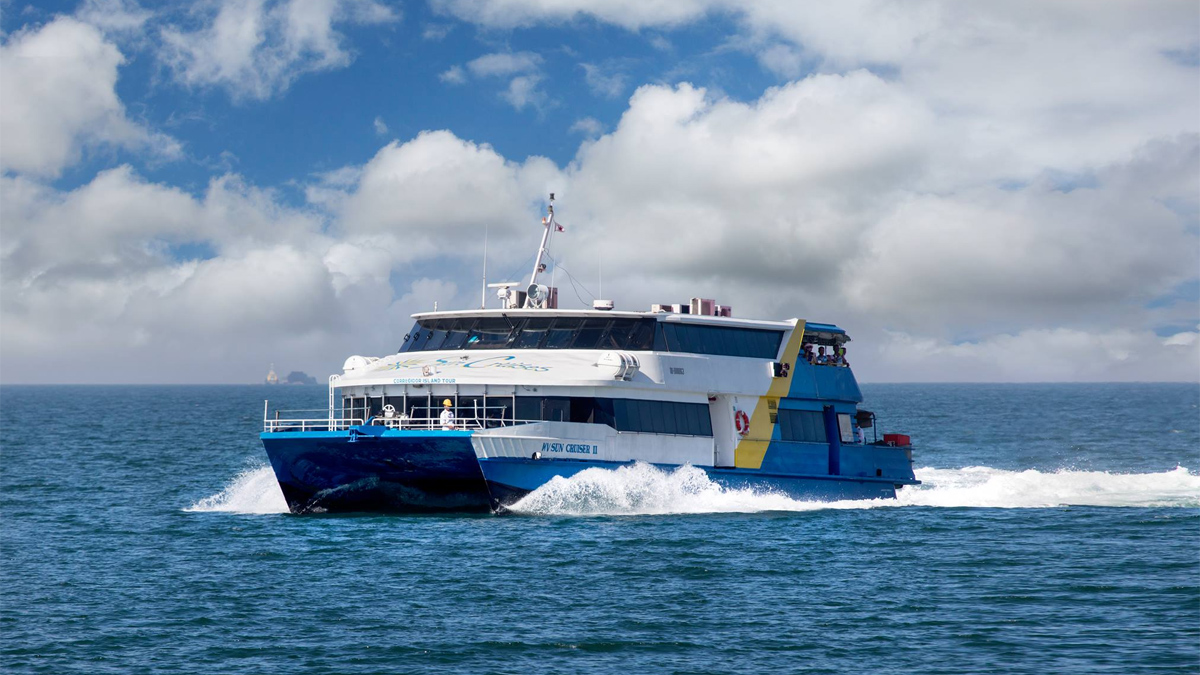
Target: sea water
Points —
{"points": [[1057, 530]]}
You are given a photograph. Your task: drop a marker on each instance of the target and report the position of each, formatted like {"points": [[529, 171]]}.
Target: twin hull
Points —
{"points": [[374, 468]]}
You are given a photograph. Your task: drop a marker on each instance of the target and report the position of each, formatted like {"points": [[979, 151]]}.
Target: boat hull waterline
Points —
{"points": [[374, 469]]}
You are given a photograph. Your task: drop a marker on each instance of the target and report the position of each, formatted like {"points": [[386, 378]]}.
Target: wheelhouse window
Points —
{"points": [[565, 332], [500, 332]]}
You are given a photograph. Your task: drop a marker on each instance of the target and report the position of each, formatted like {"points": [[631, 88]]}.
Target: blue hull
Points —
{"points": [[509, 480], [377, 470], [382, 470]]}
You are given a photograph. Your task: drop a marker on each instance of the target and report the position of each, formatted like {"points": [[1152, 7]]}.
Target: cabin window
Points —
{"points": [[490, 333], [721, 340], [655, 417], [532, 332], [560, 334], [806, 426], [499, 332], [845, 428]]}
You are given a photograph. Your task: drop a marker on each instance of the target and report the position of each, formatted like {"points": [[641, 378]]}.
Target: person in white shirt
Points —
{"points": [[447, 416]]}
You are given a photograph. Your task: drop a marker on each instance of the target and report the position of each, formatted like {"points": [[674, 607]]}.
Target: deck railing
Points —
{"points": [[418, 418]]}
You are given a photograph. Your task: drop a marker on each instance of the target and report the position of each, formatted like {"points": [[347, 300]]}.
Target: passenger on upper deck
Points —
{"points": [[839, 357], [808, 352], [822, 359]]}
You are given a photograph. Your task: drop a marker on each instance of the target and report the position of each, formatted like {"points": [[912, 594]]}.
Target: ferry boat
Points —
{"points": [[480, 407]]}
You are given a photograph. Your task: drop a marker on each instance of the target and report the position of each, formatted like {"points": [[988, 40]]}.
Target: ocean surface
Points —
{"points": [[1057, 531]]}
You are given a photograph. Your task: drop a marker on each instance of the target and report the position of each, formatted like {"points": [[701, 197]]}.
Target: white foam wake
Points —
{"points": [[642, 489], [251, 491]]}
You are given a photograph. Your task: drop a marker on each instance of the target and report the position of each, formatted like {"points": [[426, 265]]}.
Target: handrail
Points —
{"points": [[309, 424], [277, 424]]}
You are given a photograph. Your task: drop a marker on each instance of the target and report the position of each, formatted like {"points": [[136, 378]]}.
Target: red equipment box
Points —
{"points": [[897, 439]]}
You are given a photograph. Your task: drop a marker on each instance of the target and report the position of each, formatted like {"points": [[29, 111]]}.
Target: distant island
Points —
{"points": [[294, 377]]}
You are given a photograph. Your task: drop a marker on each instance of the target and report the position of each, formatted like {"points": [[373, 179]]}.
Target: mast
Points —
{"points": [[542, 250], [483, 291]]}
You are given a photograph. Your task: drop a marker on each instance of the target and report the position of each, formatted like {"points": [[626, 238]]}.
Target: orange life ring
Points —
{"points": [[742, 422]]}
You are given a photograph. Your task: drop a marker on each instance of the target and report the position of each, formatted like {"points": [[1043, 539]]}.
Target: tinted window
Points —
{"points": [[561, 334], [802, 425], [490, 333], [498, 332], [590, 333], [532, 333], [720, 340]]}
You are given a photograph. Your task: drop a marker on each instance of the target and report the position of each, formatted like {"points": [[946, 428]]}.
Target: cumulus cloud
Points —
{"points": [[936, 182], [521, 69], [1040, 355], [1027, 84], [439, 192], [60, 100], [256, 48], [127, 280]]}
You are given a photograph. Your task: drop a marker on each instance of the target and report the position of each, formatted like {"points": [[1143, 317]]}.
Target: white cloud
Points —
{"points": [[1001, 195], [381, 127], [523, 70], [60, 100], [453, 75], [631, 14], [256, 48], [120, 17], [502, 64], [590, 127], [439, 192], [604, 82], [436, 32], [1027, 84], [1040, 355], [523, 91]]}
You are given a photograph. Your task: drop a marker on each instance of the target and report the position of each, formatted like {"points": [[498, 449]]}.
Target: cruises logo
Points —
{"points": [[509, 362]]}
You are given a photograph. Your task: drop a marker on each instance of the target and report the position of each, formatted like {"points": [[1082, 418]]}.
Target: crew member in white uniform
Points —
{"points": [[447, 416]]}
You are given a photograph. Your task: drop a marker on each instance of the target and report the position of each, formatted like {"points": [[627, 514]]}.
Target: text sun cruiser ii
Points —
{"points": [[535, 392]]}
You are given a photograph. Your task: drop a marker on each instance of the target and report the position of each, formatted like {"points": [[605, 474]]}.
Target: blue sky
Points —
{"points": [[190, 191]]}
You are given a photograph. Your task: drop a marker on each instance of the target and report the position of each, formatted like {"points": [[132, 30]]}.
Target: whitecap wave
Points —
{"points": [[642, 489], [251, 491]]}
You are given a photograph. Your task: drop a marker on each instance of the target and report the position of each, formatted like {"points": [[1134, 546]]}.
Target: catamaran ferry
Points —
{"points": [[479, 408]]}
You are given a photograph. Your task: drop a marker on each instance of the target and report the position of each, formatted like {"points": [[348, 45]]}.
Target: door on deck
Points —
{"points": [[720, 408]]}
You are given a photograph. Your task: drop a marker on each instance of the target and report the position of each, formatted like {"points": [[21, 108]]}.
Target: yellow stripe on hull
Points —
{"points": [[752, 447]]}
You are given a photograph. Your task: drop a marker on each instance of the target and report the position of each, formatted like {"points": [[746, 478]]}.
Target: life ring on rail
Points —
{"points": [[741, 422]]}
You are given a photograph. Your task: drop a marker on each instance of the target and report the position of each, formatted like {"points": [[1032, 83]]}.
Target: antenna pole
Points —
{"points": [[537, 263], [483, 290]]}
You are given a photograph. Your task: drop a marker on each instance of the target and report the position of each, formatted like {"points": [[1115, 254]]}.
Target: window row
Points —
{"points": [[499, 332], [530, 333], [722, 340], [654, 417], [802, 425]]}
